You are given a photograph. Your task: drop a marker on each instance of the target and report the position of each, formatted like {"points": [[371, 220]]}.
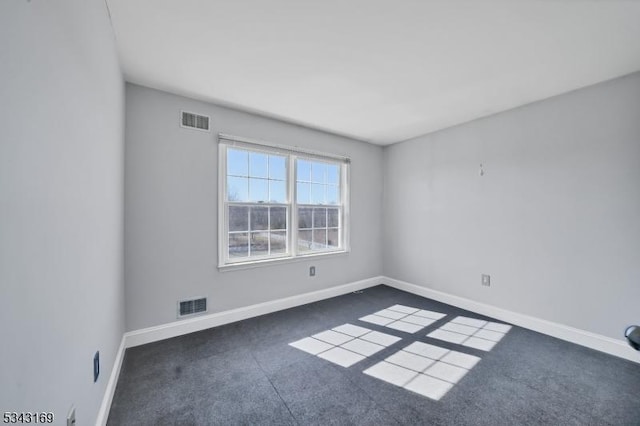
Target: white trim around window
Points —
{"points": [[278, 203]]}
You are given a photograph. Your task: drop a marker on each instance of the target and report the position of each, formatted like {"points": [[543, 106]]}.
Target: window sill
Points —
{"points": [[280, 261]]}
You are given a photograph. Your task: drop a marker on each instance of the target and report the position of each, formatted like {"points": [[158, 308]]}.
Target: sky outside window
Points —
{"points": [[255, 177]]}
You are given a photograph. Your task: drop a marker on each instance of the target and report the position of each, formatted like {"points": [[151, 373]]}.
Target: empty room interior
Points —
{"points": [[320, 212]]}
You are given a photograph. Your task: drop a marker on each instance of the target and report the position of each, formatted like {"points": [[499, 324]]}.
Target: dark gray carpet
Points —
{"points": [[246, 373]]}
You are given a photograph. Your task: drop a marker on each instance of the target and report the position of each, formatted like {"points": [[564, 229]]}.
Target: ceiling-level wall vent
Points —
{"points": [[192, 306], [194, 121]]}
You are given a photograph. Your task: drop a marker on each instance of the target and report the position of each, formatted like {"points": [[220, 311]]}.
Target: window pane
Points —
{"points": [[334, 218], [259, 243], [304, 241], [319, 218], [304, 170], [258, 165], [238, 245], [304, 218], [237, 189], [238, 218], [333, 238], [259, 204], [237, 162], [317, 194], [278, 242], [259, 218], [278, 218], [303, 193], [318, 172], [333, 196], [319, 239], [258, 190], [332, 174], [277, 191], [277, 167]]}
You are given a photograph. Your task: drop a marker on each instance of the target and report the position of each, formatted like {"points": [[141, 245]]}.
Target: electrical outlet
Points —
{"points": [[312, 271], [486, 280], [71, 417]]}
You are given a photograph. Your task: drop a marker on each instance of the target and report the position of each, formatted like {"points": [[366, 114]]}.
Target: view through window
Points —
{"points": [[280, 203]]}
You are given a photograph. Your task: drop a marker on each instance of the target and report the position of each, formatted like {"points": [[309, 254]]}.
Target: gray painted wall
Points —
{"points": [[61, 192], [555, 219], [171, 212]]}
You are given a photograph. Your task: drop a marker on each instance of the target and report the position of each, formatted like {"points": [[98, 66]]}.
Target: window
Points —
{"points": [[279, 203]]}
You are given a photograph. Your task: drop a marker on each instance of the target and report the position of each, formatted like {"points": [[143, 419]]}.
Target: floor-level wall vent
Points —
{"points": [[192, 306]]}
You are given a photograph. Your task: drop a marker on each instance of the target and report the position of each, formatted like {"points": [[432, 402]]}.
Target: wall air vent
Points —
{"points": [[194, 121], [192, 306]]}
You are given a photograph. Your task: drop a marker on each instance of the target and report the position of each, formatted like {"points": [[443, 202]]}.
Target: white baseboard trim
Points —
{"points": [[103, 413], [598, 342], [178, 328]]}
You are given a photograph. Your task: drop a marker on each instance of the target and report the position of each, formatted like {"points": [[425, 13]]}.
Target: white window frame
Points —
{"points": [[226, 141]]}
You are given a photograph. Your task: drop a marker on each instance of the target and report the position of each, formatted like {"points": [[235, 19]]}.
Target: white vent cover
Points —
{"points": [[192, 306], [191, 120]]}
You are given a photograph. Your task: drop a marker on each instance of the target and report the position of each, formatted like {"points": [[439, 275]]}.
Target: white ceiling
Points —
{"points": [[378, 71]]}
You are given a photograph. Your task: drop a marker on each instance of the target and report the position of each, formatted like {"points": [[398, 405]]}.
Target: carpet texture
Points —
{"points": [[247, 373]]}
